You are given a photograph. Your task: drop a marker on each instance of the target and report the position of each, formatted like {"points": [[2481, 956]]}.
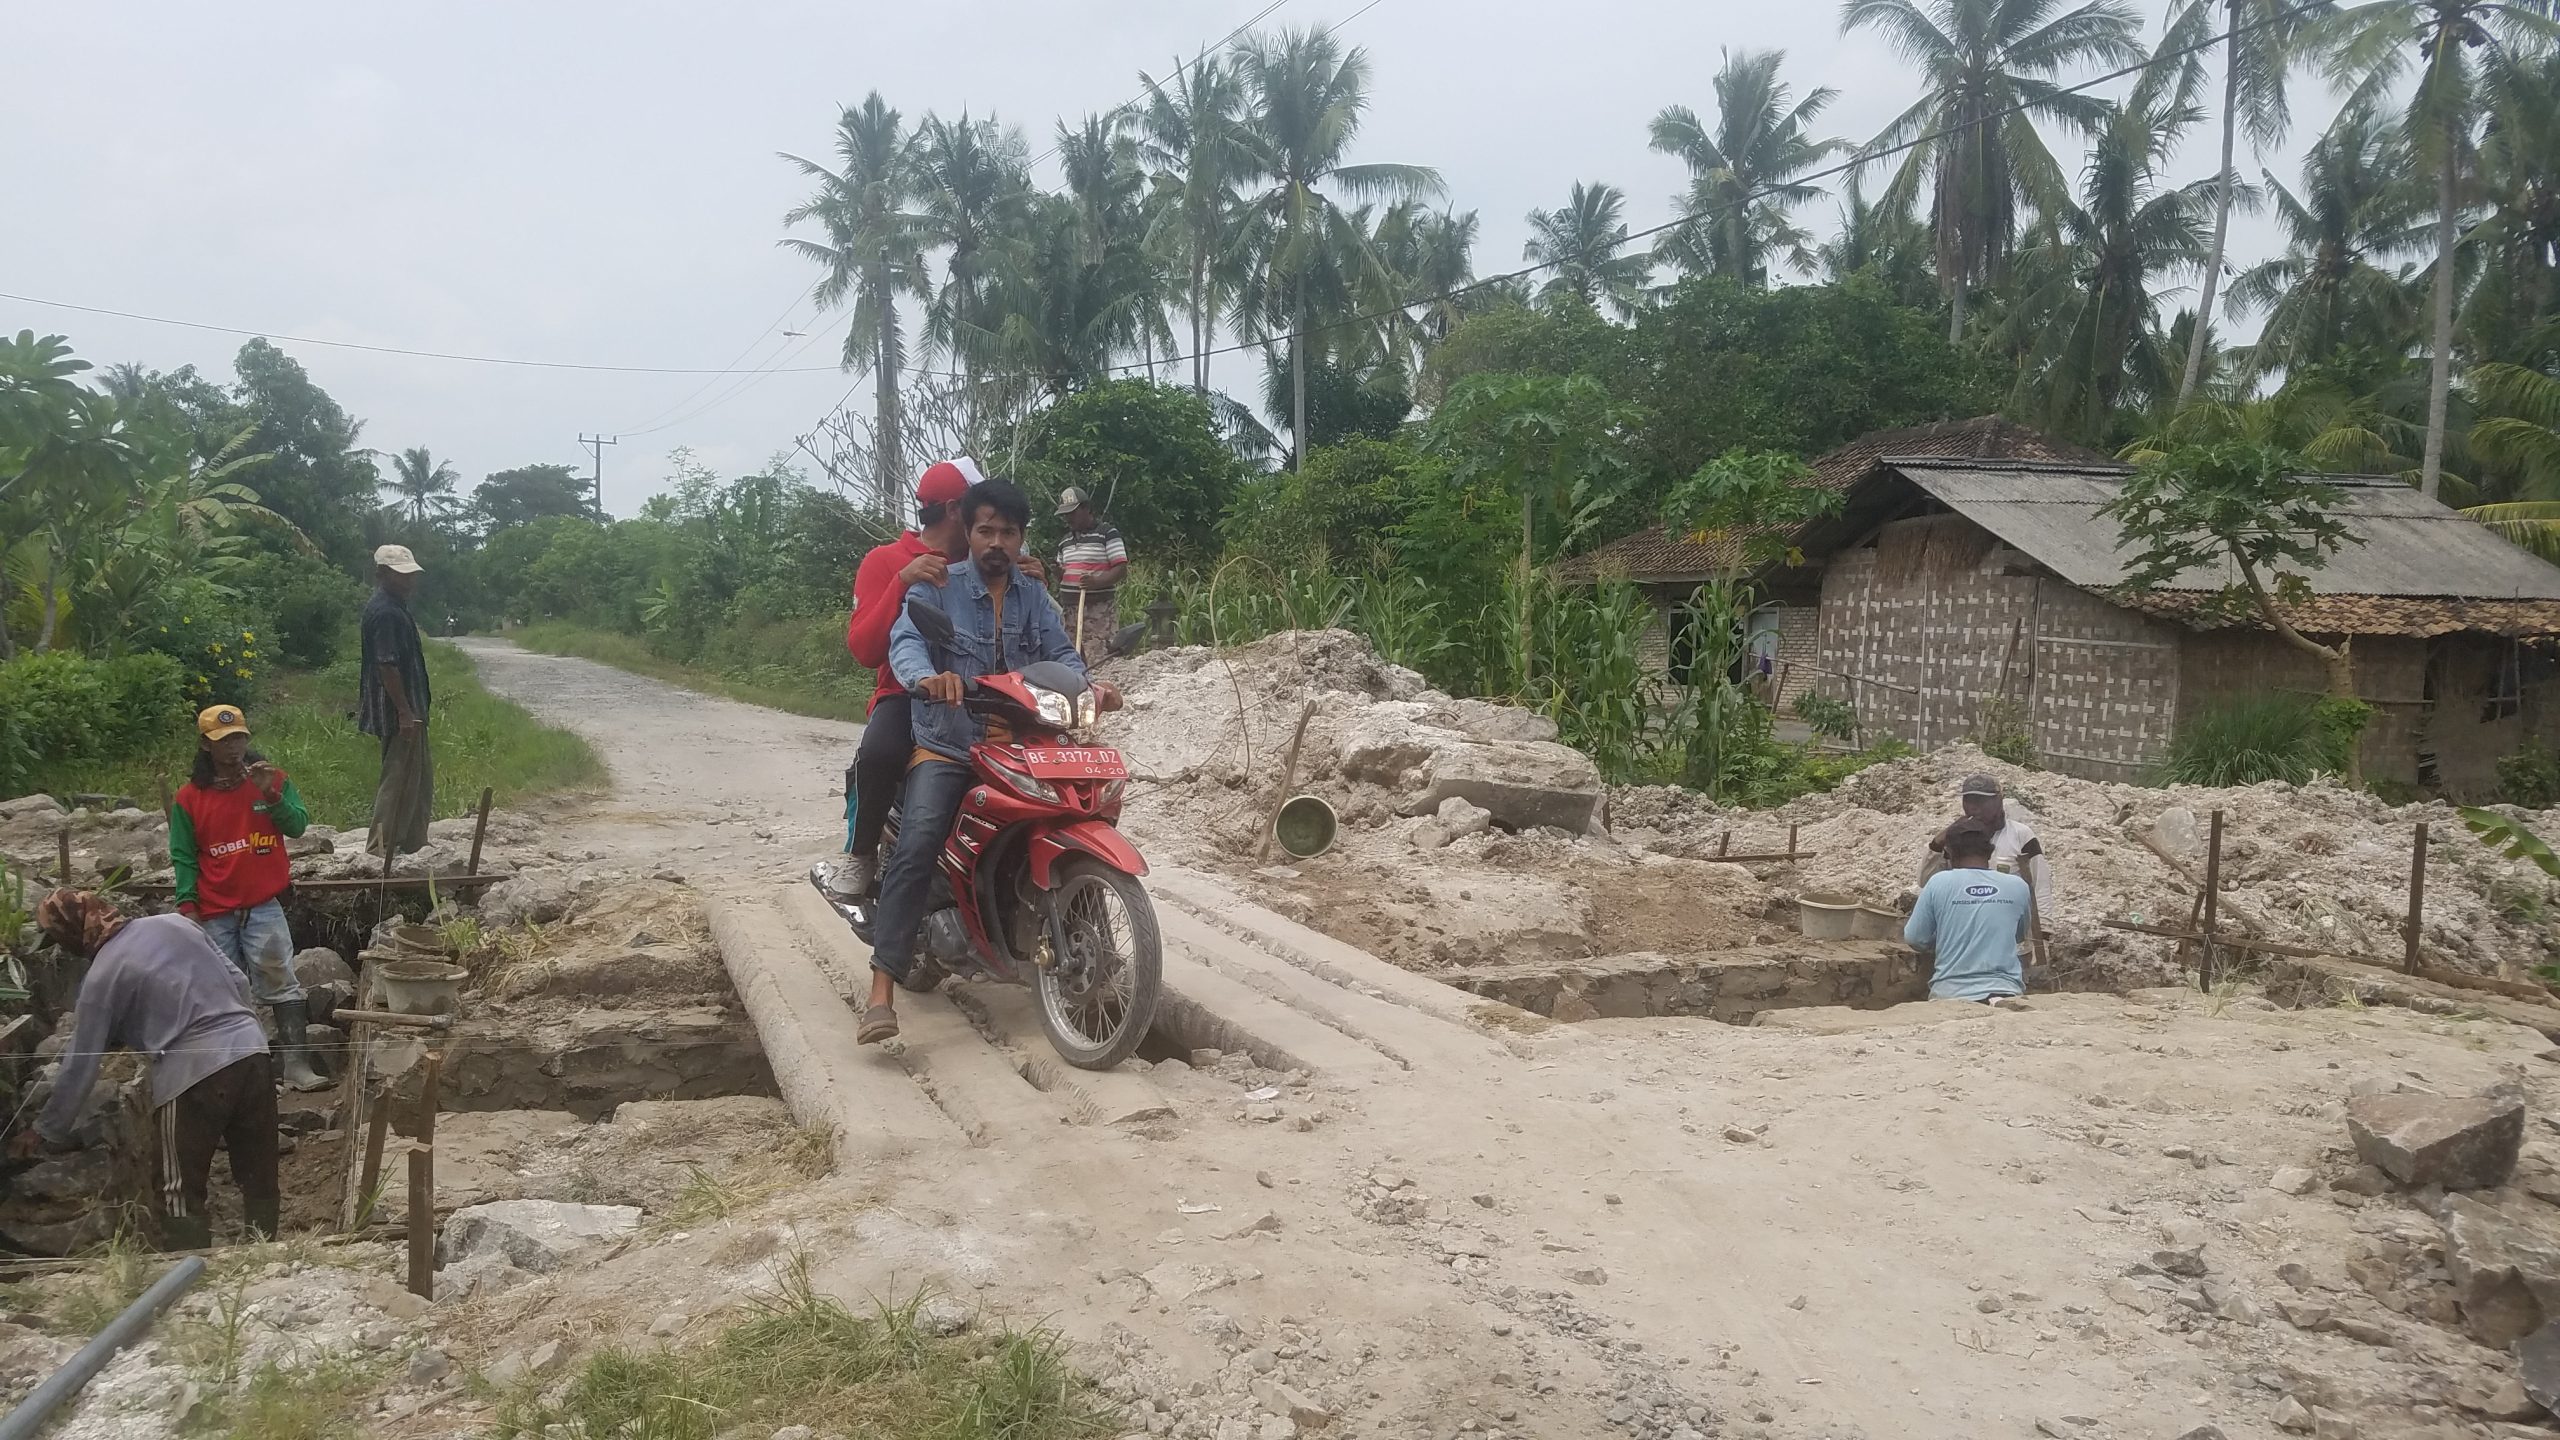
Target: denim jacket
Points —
{"points": [[1033, 631]]}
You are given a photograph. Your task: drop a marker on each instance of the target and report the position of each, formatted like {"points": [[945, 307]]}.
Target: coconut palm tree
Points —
{"points": [[1743, 172], [1082, 288], [1977, 150], [972, 184], [2262, 40], [2331, 288], [1307, 95], [421, 485], [1429, 258], [1874, 240], [2373, 46], [1583, 242], [1190, 135], [2517, 241], [873, 252], [2087, 315]]}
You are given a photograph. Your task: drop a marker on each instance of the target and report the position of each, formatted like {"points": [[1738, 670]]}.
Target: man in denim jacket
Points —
{"points": [[1001, 620]]}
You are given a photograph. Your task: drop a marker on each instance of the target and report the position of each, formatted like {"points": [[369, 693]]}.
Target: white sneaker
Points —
{"points": [[850, 878]]}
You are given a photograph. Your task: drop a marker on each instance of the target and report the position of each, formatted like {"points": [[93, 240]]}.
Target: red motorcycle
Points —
{"points": [[1036, 886]]}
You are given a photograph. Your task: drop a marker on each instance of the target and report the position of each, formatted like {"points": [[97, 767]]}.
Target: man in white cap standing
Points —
{"points": [[1091, 565], [392, 706]]}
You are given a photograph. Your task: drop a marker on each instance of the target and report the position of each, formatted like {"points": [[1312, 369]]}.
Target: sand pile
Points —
{"points": [[2315, 864]]}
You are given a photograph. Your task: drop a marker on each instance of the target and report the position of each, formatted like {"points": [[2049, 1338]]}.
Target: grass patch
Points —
{"points": [[803, 1359], [789, 674], [315, 1402], [307, 725]]}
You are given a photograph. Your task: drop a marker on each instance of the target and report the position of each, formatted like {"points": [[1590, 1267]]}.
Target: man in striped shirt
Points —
{"points": [[1091, 565]]}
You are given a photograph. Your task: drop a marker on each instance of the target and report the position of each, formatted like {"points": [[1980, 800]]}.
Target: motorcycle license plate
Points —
{"points": [[1074, 762]]}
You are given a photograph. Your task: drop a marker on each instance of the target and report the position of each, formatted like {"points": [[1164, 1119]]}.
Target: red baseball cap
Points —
{"points": [[946, 481]]}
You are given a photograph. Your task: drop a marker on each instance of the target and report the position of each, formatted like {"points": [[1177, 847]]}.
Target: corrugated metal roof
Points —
{"points": [[2413, 546]]}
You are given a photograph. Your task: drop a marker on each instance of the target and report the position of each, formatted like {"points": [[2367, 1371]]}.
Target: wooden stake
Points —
{"points": [[1791, 842], [62, 854], [429, 1093], [2417, 898], [377, 1130], [422, 1223], [479, 830], [2212, 903]]}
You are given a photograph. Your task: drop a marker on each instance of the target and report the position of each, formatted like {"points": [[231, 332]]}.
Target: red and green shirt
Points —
{"points": [[228, 845]]}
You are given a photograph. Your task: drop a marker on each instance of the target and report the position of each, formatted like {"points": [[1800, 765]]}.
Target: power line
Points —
{"points": [[771, 326], [395, 349]]}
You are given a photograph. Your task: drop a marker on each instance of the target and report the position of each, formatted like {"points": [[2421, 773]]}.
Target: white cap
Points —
{"points": [[396, 558]]}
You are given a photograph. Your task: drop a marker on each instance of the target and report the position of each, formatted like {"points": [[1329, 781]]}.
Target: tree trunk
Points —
{"points": [[1528, 545], [2440, 366], [1955, 313], [1200, 320], [51, 609], [889, 462], [2221, 208], [1298, 375], [8, 644]]}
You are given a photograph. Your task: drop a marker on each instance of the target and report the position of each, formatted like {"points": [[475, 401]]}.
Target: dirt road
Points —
{"points": [[722, 791], [1392, 1210]]}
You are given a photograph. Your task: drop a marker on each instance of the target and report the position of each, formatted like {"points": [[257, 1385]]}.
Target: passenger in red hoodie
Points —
{"points": [[888, 737], [227, 830]]}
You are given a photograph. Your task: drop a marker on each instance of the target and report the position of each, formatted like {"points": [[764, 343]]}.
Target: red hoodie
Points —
{"points": [[876, 597]]}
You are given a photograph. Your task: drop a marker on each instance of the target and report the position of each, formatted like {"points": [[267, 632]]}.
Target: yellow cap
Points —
{"points": [[222, 720]]}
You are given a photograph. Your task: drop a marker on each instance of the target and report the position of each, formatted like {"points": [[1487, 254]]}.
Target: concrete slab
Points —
{"points": [[1203, 1008], [1408, 1035], [1091, 1097], [870, 1104]]}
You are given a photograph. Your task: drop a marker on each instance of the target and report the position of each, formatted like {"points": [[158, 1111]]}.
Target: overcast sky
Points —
{"points": [[596, 182]]}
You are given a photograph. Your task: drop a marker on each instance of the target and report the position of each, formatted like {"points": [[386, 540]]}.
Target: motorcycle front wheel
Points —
{"points": [[1098, 993]]}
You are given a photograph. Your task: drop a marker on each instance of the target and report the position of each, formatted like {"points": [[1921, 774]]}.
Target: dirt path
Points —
{"points": [[1399, 1212], [720, 791]]}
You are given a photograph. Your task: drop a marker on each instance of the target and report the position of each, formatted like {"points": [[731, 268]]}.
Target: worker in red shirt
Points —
{"points": [[227, 830], [879, 767]]}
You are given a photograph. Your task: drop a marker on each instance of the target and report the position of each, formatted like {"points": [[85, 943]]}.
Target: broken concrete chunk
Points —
{"points": [[2293, 1180], [2291, 1414], [2187, 1262], [1460, 819], [1523, 784], [2505, 1270], [2538, 1366], [1280, 1399], [2363, 1180], [2460, 1143], [534, 1235], [2502, 1399]]}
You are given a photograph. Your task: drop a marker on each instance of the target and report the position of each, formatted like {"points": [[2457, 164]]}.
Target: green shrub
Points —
{"points": [[58, 707], [223, 650], [2250, 739], [315, 615], [1831, 719], [2530, 777]]}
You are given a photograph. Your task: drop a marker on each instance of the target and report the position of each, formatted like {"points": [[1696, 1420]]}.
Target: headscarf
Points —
{"points": [[78, 920]]}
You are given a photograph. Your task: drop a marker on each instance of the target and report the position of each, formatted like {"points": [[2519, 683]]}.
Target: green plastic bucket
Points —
{"points": [[1304, 827]]}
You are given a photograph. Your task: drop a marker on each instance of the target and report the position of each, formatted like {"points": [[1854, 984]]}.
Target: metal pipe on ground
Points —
{"points": [[32, 1413]]}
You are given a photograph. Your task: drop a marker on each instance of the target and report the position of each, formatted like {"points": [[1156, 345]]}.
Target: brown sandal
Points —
{"points": [[878, 1023]]}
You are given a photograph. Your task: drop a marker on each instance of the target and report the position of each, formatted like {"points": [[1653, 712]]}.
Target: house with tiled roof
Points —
{"points": [[1953, 593]]}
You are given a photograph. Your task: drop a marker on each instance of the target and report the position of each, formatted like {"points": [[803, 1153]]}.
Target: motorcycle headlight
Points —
{"points": [[1088, 710], [1112, 791], [1055, 709], [1030, 787]]}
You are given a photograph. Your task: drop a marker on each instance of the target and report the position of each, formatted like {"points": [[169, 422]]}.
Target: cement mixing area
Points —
{"points": [[1528, 1108]]}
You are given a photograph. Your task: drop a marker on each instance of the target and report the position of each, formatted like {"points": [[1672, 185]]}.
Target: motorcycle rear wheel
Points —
{"points": [[1098, 996]]}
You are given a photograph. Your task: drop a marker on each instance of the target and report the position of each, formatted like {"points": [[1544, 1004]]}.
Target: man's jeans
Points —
{"points": [[261, 944], [933, 795]]}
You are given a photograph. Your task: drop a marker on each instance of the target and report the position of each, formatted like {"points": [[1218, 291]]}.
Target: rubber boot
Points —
{"points": [[185, 1232], [261, 1215], [293, 1046]]}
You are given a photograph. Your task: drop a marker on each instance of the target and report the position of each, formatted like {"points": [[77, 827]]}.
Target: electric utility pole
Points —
{"points": [[595, 446]]}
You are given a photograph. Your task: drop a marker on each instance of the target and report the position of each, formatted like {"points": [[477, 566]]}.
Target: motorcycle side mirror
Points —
{"points": [[932, 623]]}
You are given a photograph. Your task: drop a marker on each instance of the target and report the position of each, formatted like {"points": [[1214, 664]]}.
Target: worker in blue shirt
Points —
{"points": [[1973, 917]]}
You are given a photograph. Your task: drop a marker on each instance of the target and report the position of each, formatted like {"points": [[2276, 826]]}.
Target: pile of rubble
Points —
{"points": [[1469, 834], [2319, 865]]}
